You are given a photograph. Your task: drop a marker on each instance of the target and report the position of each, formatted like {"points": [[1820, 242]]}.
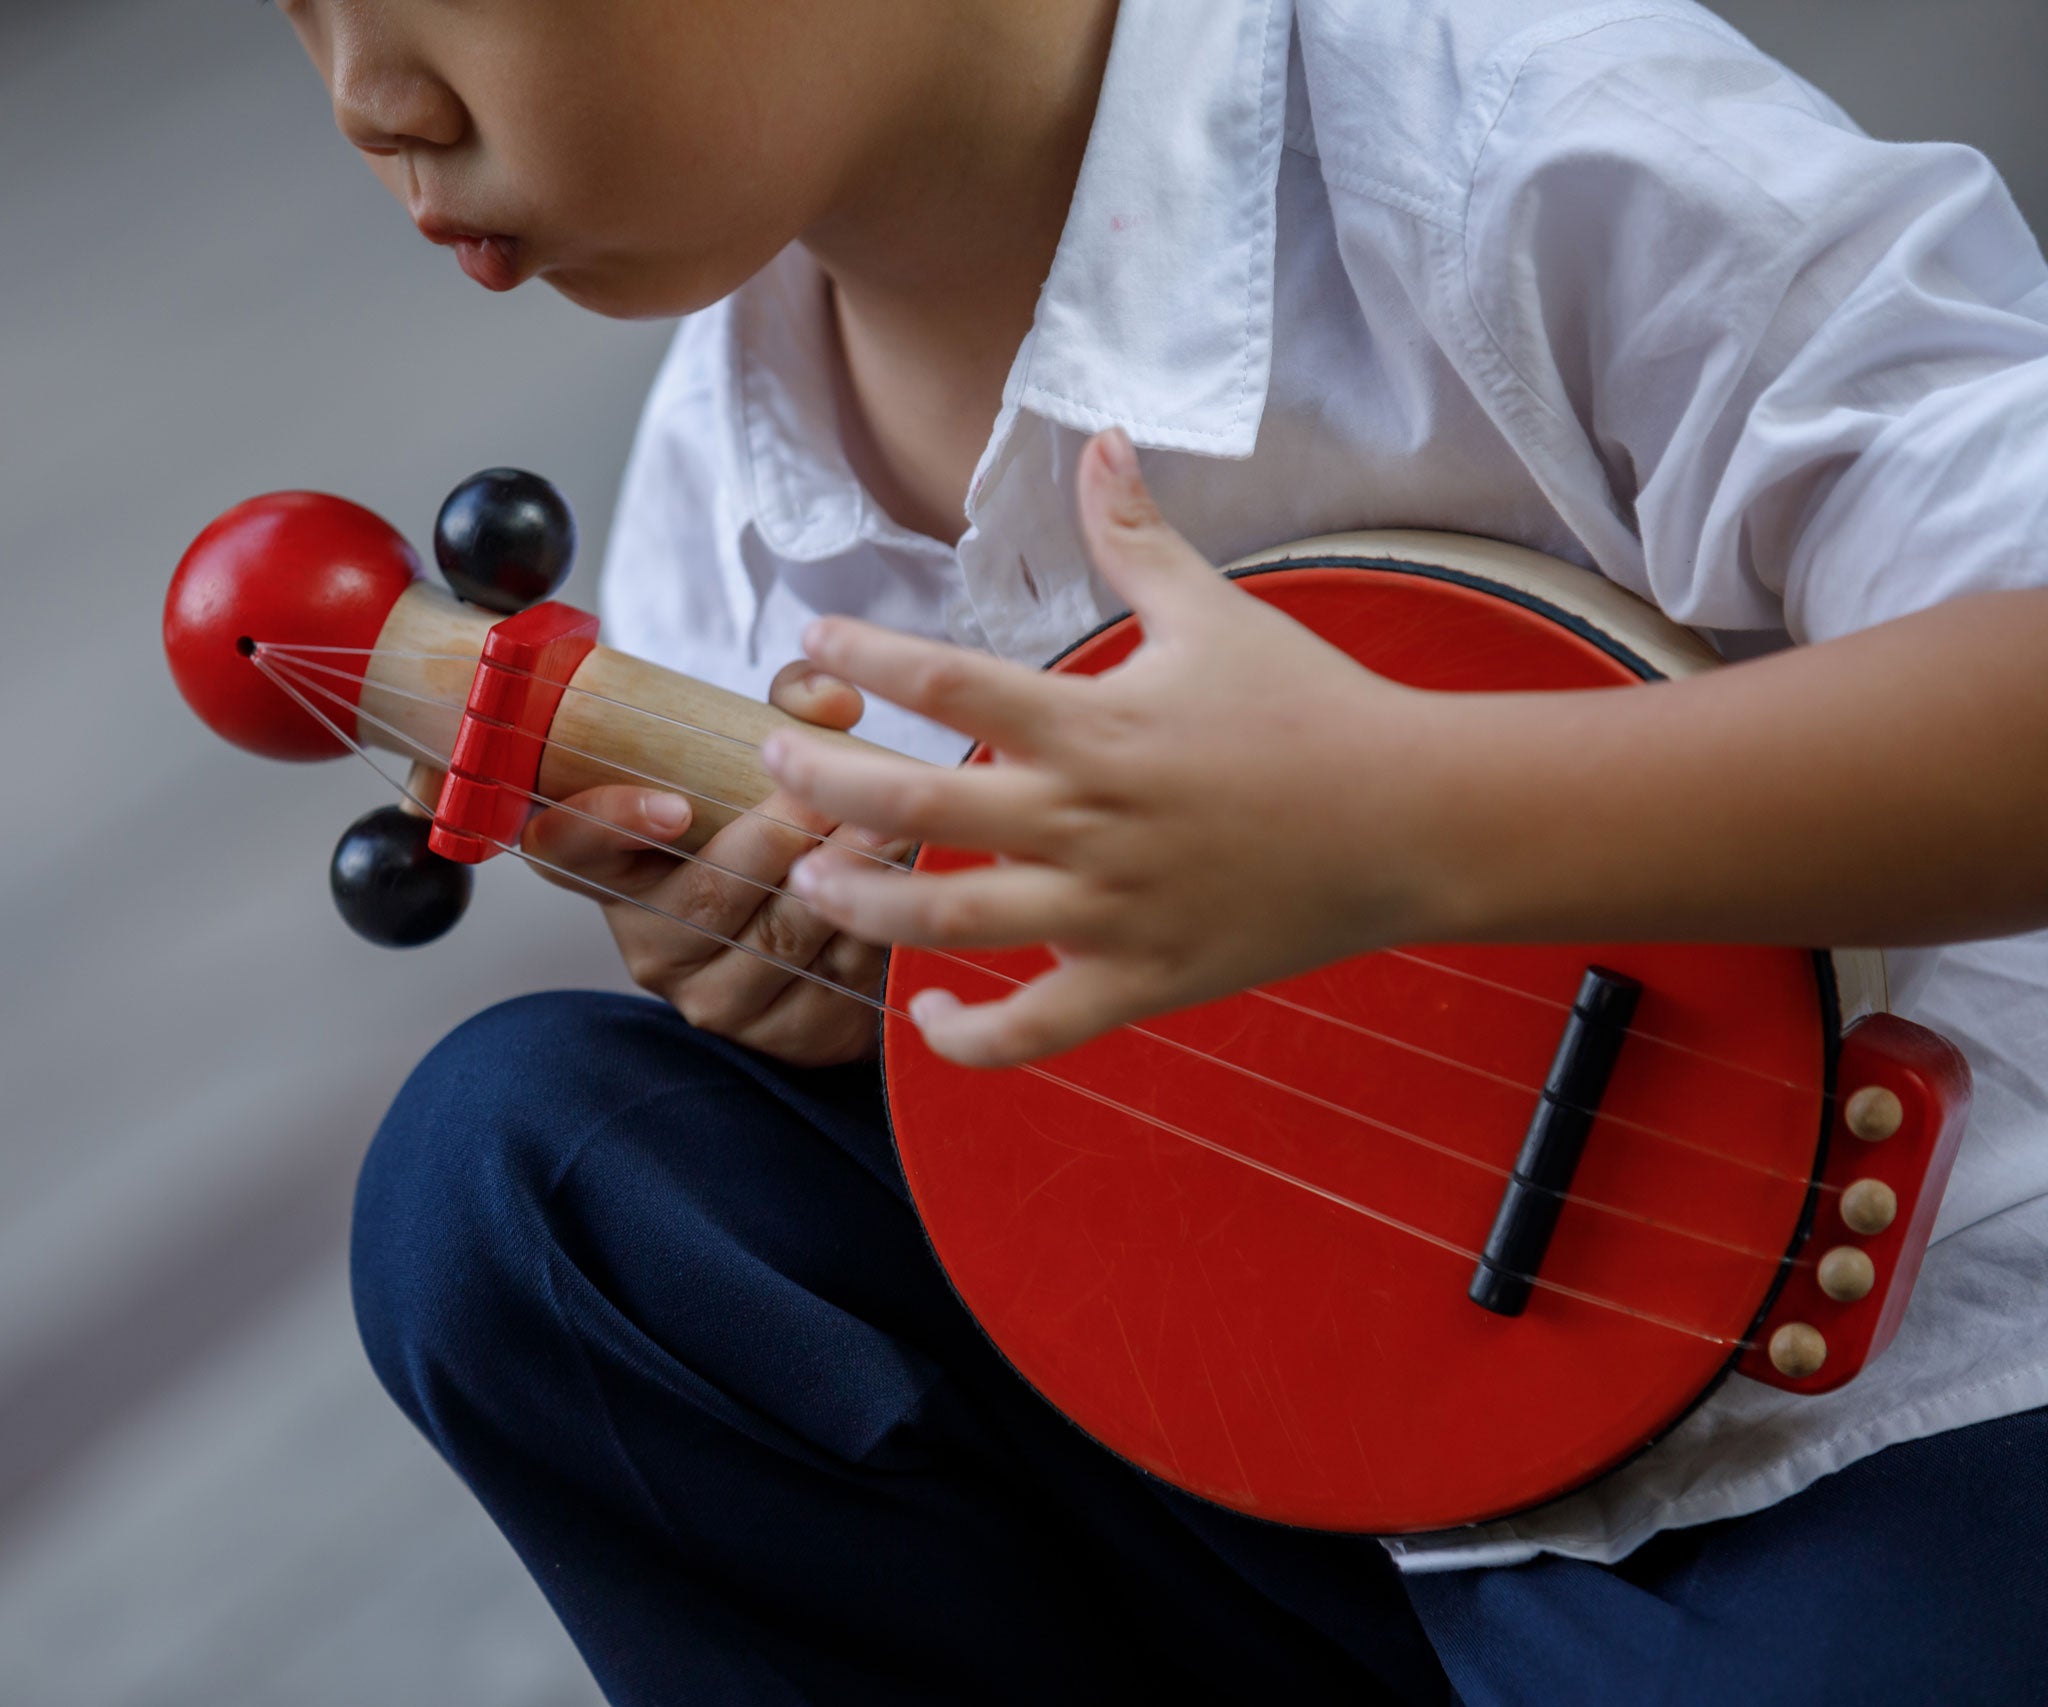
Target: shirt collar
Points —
{"points": [[1157, 315], [798, 488]]}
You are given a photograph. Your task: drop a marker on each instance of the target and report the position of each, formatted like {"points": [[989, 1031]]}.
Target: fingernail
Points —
{"points": [[929, 1005], [873, 841], [1120, 454], [774, 753], [805, 878], [666, 814], [815, 635]]}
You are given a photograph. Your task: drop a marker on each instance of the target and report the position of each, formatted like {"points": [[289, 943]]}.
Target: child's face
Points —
{"points": [[644, 157]]}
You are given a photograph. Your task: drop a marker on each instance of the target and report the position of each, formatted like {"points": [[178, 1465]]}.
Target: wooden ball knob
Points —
{"points": [[1797, 1351], [389, 884], [505, 540], [1868, 1206], [295, 569], [1874, 1113], [1847, 1274]]}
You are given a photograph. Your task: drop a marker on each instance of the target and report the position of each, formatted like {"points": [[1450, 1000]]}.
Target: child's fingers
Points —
{"points": [[1163, 578], [1001, 703], [726, 990], [692, 910], [738, 870], [811, 1026], [1003, 906], [423, 789], [1055, 1013], [608, 837], [803, 690], [1000, 808]]}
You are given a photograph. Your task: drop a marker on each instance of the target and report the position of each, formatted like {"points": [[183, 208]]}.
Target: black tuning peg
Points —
{"points": [[505, 540], [390, 887]]}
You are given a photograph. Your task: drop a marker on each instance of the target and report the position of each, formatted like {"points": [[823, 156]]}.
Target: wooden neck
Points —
{"points": [[623, 721]]}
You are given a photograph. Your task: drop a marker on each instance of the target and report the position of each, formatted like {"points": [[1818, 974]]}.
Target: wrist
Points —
{"points": [[1423, 826], [1489, 820]]}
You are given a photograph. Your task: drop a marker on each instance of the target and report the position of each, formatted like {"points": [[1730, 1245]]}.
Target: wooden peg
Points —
{"points": [[1874, 1113], [1847, 1274], [1868, 1206], [1797, 1351]]}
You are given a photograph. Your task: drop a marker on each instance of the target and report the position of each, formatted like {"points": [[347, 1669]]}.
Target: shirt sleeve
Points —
{"points": [[1804, 372]]}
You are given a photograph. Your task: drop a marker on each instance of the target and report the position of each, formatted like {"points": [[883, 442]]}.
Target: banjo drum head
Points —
{"points": [[1233, 1244]]}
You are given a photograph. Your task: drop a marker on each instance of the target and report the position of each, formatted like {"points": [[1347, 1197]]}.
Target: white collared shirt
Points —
{"points": [[1602, 280]]}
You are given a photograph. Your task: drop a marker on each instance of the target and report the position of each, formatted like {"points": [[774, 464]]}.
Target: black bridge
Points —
{"points": [[1543, 1171]]}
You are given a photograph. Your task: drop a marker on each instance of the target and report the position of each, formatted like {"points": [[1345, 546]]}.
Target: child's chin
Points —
{"points": [[617, 297]]}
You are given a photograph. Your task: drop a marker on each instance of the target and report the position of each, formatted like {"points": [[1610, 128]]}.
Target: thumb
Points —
{"points": [[803, 690], [1146, 562], [1058, 1011]]}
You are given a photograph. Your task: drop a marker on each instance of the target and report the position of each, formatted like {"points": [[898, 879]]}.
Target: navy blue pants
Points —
{"points": [[665, 1307]]}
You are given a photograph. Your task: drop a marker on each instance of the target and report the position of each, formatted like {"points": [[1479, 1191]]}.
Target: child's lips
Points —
{"points": [[492, 262]]}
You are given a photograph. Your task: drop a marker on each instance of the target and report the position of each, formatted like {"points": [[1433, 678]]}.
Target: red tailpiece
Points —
{"points": [[1902, 1099]]}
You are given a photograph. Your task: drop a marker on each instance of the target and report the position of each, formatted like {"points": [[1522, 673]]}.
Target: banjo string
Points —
{"points": [[521, 672], [1449, 1151], [294, 653], [655, 846], [1337, 1199], [1435, 967], [653, 781], [429, 755]]}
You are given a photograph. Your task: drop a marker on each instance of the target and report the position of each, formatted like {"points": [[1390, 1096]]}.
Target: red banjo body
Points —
{"points": [[1237, 1245], [1208, 1260]]}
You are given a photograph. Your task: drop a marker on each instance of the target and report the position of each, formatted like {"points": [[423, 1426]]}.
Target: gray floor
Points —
{"points": [[203, 1498]]}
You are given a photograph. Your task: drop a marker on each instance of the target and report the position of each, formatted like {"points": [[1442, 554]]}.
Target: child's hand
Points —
{"points": [[1236, 803], [719, 989]]}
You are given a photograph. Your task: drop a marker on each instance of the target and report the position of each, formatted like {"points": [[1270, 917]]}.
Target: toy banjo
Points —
{"points": [[1414, 1241]]}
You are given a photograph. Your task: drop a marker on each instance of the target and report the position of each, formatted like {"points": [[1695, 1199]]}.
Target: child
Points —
{"points": [[1596, 278]]}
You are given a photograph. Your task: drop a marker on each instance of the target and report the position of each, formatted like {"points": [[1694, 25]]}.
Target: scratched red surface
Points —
{"points": [[1217, 1258]]}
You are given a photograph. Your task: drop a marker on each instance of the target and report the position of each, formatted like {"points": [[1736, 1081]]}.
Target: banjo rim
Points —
{"points": [[1849, 983]]}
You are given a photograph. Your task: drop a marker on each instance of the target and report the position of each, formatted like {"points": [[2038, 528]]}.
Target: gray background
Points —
{"points": [[204, 1499]]}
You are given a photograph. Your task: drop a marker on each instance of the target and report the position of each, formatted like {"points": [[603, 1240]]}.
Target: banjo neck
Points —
{"points": [[621, 721]]}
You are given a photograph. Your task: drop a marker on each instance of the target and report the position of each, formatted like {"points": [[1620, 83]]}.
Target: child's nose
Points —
{"points": [[383, 104]]}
